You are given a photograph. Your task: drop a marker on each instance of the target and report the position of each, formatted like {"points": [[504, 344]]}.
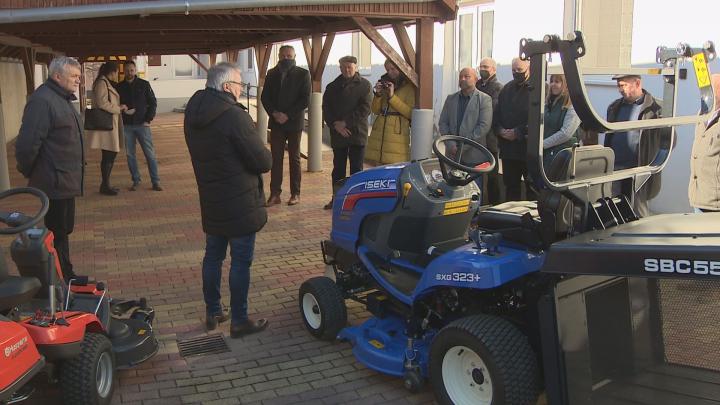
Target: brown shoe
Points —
{"points": [[294, 199], [212, 321], [329, 205], [134, 186], [273, 200], [248, 327]]}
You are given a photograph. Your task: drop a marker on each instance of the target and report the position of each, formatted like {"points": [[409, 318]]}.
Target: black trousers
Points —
{"points": [[514, 171], [356, 154], [60, 219], [278, 139], [492, 185]]}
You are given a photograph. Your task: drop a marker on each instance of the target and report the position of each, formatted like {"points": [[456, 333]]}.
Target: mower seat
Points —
{"points": [[15, 290], [516, 221]]}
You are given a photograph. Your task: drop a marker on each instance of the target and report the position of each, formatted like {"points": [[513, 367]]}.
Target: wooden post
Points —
{"points": [[405, 45], [202, 66], [424, 63], [387, 50], [213, 58], [28, 60]]}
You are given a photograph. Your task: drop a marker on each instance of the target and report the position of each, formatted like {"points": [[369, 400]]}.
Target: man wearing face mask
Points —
{"points": [[228, 159], [285, 97], [489, 84], [510, 121]]}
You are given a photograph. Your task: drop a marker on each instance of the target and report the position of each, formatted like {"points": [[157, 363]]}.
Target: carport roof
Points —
{"points": [[95, 28]]}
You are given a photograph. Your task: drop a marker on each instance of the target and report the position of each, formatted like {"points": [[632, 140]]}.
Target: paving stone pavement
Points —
{"points": [[150, 244]]}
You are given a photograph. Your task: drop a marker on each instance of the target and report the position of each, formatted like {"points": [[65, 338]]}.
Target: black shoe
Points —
{"points": [[248, 327], [212, 321], [108, 190], [157, 187], [329, 205]]}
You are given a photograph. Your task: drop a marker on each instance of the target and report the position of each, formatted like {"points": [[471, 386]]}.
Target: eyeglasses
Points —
{"points": [[241, 84]]}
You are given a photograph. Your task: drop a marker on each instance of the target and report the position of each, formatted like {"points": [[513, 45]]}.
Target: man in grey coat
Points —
{"points": [[49, 151], [467, 113]]}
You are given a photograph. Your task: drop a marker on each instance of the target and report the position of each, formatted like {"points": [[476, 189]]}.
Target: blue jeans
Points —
{"points": [[142, 135], [241, 256]]}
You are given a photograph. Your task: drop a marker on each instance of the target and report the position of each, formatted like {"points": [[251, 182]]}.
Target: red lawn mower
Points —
{"points": [[73, 332]]}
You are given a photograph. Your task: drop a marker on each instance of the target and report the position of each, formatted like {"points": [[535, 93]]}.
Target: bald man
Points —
{"points": [[467, 113], [704, 189], [490, 85], [511, 128]]}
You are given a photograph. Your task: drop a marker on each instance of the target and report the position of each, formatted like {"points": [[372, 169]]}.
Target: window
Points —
{"points": [[250, 56], [362, 50], [466, 41], [486, 34]]}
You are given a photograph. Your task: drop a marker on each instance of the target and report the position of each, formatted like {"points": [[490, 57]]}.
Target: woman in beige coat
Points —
{"points": [[105, 97]]}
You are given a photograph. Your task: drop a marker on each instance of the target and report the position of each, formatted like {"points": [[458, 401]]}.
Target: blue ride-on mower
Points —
{"points": [[466, 296]]}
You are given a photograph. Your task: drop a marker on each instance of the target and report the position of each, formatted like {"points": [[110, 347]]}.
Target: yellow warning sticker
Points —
{"points": [[458, 203], [377, 344], [457, 210], [701, 70], [141, 332]]}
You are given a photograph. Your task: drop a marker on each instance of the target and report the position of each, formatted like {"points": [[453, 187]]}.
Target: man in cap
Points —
{"points": [[636, 147]]}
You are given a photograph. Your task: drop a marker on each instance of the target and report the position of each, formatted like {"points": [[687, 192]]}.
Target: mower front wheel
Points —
{"points": [[322, 307], [483, 360], [89, 379]]}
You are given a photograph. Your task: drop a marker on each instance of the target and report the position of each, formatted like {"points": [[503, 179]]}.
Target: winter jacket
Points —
{"points": [[649, 138], [389, 140], [348, 100], [140, 96], [290, 96], [105, 97], [492, 88], [704, 187], [49, 147], [512, 113], [228, 159]]}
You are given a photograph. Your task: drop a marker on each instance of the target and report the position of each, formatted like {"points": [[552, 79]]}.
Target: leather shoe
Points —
{"points": [[273, 200], [329, 205], [108, 190], [294, 199], [157, 187], [212, 321], [134, 186], [248, 327]]}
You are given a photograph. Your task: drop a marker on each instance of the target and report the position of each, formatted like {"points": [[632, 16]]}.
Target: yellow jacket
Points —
{"points": [[390, 134]]}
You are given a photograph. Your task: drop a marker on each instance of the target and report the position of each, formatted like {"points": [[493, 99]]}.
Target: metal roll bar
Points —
{"points": [[570, 51]]}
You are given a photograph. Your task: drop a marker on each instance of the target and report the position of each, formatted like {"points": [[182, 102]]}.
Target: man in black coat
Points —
{"points": [[137, 94], [49, 151], [285, 97], [228, 159], [346, 107], [511, 128], [490, 85]]}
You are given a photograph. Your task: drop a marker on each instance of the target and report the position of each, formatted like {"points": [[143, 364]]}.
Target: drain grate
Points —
{"points": [[210, 344]]}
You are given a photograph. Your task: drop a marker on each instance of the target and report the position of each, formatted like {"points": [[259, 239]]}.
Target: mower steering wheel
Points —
{"points": [[460, 174], [26, 223]]}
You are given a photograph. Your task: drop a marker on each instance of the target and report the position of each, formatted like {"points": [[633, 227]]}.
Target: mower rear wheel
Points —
{"points": [[89, 379], [322, 307], [483, 360]]}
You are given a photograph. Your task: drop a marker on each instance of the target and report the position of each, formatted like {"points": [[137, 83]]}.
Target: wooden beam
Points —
{"points": [[202, 66], [424, 63], [28, 61], [213, 59], [405, 45], [262, 55], [232, 55], [384, 47], [322, 61], [308, 54]]}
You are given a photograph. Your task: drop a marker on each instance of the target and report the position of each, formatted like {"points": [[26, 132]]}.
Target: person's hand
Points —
{"points": [[379, 88], [130, 111], [341, 128], [280, 117], [451, 150], [508, 134], [390, 89], [146, 124], [123, 107]]}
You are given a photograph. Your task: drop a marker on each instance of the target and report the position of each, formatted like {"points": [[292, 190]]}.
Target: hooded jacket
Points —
{"points": [[228, 159], [389, 140]]}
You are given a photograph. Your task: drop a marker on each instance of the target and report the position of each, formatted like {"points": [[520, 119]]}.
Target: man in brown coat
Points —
{"points": [[704, 188], [346, 107]]}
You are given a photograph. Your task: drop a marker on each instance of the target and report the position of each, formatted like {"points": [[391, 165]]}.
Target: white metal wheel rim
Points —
{"points": [[309, 304], [104, 375], [458, 366]]}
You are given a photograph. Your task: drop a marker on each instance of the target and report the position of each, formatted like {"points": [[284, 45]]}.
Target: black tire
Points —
{"points": [[89, 379], [322, 307], [509, 362]]}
